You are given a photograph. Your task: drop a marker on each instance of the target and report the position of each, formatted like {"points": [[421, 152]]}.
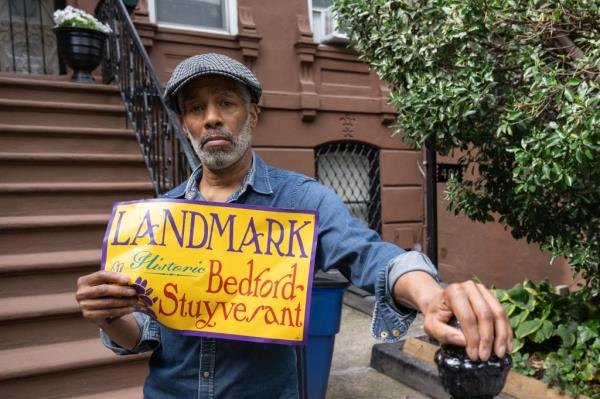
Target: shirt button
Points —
{"points": [[189, 195], [395, 332], [384, 334], [206, 374]]}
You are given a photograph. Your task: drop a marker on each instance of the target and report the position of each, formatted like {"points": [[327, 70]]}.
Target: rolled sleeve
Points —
{"points": [[149, 340], [410, 261], [363, 257], [390, 322]]}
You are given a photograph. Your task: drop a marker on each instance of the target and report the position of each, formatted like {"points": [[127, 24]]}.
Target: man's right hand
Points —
{"points": [[104, 295]]}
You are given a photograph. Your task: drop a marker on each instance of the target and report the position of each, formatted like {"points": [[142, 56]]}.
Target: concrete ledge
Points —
{"points": [[411, 362], [400, 364], [390, 360]]}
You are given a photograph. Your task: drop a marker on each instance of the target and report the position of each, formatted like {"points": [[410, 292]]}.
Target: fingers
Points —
{"points": [[100, 316], [103, 284], [435, 323], [107, 303], [482, 318], [485, 320], [103, 290], [444, 333], [502, 328], [103, 277], [459, 299], [103, 295]]}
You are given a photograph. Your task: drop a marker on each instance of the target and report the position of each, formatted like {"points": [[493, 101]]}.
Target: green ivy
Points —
{"points": [[557, 338], [493, 81]]}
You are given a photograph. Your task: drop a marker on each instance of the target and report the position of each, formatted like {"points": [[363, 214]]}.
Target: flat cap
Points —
{"points": [[209, 64]]}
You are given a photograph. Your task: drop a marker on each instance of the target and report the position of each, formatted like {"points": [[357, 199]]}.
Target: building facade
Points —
{"points": [[68, 152]]}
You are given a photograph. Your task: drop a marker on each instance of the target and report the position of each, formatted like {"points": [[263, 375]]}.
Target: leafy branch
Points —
{"points": [[514, 86]]}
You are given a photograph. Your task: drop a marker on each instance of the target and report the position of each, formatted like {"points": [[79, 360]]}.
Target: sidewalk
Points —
{"points": [[351, 377]]}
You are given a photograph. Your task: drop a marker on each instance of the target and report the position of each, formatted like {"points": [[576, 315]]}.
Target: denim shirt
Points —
{"points": [[184, 366]]}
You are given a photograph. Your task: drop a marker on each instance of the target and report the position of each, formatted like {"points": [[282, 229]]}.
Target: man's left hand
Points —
{"points": [[484, 324]]}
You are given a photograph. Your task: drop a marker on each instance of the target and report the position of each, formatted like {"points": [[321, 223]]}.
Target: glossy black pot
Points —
{"points": [[81, 49], [463, 378]]}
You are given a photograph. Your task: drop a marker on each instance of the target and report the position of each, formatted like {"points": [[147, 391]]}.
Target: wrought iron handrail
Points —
{"points": [[166, 150]]}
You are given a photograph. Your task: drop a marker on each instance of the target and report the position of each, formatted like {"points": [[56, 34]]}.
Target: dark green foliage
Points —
{"points": [[556, 338], [514, 86]]}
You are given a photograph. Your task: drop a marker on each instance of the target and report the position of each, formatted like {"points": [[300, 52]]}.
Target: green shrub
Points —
{"points": [[514, 85], [556, 338]]}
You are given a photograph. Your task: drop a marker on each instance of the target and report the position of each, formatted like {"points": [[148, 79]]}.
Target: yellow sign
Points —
{"points": [[217, 270]]}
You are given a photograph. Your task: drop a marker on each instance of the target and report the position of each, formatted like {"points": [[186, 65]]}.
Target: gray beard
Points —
{"points": [[217, 158]]}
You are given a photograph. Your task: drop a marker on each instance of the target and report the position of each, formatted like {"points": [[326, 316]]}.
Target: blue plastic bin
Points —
{"points": [[325, 315]]}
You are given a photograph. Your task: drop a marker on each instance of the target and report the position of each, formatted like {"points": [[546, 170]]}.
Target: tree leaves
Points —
{"points": [[489, 77]]}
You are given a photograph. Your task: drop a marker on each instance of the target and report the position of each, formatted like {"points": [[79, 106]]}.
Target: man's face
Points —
{"points": [[217, 120]]}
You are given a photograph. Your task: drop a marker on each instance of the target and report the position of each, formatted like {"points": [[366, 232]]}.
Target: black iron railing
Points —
{"points": [[168, 154], [27, 43], [351, 170]]}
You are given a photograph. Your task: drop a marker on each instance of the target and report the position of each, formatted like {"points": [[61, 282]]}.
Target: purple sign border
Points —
{"points": [[304, 340]]}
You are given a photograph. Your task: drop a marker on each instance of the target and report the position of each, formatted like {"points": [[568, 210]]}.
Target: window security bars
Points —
{"points": [[27, 43], [166, 150], [351, 170]]}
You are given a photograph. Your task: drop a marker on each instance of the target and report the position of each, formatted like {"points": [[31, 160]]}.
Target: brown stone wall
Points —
{"points": [[313, 95], [488, 251]]}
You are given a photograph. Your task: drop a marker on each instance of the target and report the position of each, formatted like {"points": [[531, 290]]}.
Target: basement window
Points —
{"points": [[213, 16], [351, 170]]}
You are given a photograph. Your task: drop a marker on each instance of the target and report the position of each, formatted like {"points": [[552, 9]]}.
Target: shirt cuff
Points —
{"points": [[391, 322], [410, 261], [149, 340]]}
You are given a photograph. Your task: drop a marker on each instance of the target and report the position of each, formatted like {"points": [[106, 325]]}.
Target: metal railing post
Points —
{"points": [[168, 155]]}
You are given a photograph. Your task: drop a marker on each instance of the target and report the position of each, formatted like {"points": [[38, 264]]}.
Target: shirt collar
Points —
{"points": [[257, 178]]}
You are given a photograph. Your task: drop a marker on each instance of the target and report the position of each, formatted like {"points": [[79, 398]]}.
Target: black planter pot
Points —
{"points": [[81, 49], [463, 378]]}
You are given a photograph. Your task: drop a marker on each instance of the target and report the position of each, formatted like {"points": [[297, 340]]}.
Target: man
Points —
{"points": [[216, 99]]}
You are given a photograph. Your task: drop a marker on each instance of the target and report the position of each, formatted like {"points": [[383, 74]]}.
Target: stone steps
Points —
{"points": [[68, 198], [28, 234], [67, 154], [71, 167], [42, 88], [67, 369], [70, 139], [50, 272], [64, 114]]}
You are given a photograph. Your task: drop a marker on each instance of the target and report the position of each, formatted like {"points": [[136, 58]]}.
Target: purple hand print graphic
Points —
{"points": [[145, 300]]}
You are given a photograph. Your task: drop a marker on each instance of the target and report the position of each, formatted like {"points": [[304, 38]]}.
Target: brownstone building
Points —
{"points": [[68, 151]]}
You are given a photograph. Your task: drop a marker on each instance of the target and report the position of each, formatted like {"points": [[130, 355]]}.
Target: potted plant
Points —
{"points": [[81, 41]]}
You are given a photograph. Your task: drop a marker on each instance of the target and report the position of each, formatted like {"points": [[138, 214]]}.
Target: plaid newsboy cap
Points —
{"points": [[209, 64]]}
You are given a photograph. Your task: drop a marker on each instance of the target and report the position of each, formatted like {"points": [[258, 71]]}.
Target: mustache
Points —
{"points": [[216, 133]]}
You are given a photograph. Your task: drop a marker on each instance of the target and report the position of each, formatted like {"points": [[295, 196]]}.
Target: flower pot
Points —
{"points": [[81, 49], [464, 378]]}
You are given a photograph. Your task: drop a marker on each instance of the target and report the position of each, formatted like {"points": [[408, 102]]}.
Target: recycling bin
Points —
{"points": [[325, 315]]}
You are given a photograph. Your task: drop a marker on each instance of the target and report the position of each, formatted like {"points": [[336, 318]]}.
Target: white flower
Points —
{"points": [[71, 16]]}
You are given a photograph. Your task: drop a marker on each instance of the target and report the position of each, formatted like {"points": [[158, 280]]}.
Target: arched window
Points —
{"points": [[352, 171]]}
